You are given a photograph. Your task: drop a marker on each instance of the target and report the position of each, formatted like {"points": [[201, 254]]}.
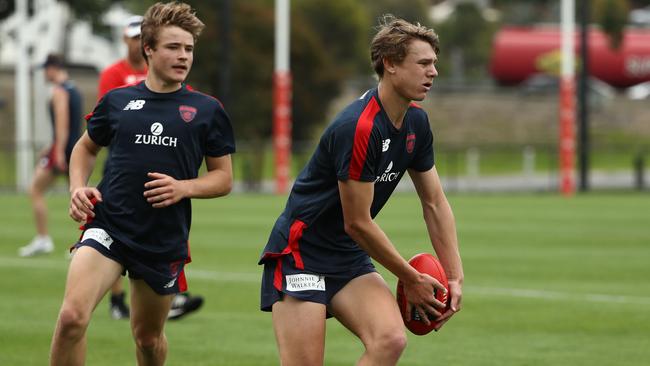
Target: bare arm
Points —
{"points": [[163, 190], [82, 162], [441, 226], [61, 124], [356, 199]]}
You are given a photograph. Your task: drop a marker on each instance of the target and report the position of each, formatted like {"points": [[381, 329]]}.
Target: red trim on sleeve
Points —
{"points": [[413, 104], [361, 136], [189, 88]]}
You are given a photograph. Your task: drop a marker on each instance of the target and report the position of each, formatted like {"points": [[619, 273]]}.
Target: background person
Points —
{"points": [[129, 70], [65, 115]]}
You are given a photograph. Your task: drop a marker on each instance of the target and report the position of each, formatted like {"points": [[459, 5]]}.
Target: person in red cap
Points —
{"points": [[129, 70]]}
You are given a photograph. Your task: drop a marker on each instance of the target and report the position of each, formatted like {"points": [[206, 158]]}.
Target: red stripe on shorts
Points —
{"points": [[295, 233], [277, 275], [293, 247], [182, 281]]}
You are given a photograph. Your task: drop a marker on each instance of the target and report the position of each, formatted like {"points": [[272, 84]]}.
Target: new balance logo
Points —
{"points": [[170, 284], [134, 105], [385, 145]]}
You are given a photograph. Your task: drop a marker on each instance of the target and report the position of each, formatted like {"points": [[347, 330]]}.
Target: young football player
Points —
{"points": [[317, 261], [137, 220], [129, 71]]}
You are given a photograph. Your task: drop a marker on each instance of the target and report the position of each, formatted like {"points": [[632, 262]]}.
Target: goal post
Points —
{"points": [[567, 100], [282, 91]]}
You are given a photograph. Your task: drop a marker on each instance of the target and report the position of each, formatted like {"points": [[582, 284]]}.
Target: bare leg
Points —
{"points": [[148, 315], [43, 178], [117, 306], [89, 277], [367, 308], [117, 287], [300, 331]]}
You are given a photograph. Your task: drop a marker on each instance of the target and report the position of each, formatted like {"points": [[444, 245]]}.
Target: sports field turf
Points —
{"points": [[549, 281]]}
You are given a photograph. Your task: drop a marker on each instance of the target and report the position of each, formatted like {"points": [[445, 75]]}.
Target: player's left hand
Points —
{"points": [[456, 293], [163, 190]]}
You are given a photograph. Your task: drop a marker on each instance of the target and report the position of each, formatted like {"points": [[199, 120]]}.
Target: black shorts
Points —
{"points": [[282, 277], [49, 162], [164, 278]]}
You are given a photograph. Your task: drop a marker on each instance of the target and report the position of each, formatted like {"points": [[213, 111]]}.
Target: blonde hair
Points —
{"points": [[393, 38], [168, 14]]}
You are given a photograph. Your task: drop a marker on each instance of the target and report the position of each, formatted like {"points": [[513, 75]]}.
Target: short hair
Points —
{"points": [[54, 60], [168, 14], [393, 38]]}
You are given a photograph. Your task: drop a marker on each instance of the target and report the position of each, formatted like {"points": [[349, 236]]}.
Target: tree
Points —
{"points": [[328, 45], [529, 11], [612, 16], [466, 41], [410, 10], [320, 63], [91, 10]]}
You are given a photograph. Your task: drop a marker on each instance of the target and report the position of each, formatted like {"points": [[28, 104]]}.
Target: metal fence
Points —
{"points": [[487, 168]]}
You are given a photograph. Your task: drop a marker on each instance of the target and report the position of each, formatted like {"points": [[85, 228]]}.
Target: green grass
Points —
{"points": [[549, 281]]}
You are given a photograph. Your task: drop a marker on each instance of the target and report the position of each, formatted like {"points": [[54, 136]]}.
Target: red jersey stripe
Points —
{"points": [[361, 136]]}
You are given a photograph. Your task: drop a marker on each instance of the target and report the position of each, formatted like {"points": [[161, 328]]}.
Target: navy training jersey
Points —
{"points": [[360, 144], [168, 133], [74, 116]]}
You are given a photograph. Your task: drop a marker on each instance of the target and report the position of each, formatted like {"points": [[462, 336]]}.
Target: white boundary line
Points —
{"points": [[255, 277], [557, 295]]}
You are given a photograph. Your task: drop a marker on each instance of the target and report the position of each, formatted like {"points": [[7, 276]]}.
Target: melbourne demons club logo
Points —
{"points": [[410, 142], [187, 113]]}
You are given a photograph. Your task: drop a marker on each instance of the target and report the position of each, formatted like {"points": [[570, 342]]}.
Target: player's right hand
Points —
{"points": [[456, 292], [419, 296], [82, 203]]}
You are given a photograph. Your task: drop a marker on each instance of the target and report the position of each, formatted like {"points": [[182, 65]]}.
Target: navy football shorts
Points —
{"points": [[301, 284], [164, 278], [48, 162]]}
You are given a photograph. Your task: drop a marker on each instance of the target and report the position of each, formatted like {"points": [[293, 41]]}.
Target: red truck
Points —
{"points": [[521, 52]]}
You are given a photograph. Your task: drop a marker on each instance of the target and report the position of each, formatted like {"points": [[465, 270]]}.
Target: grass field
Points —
{"points": [[549, 281]]}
